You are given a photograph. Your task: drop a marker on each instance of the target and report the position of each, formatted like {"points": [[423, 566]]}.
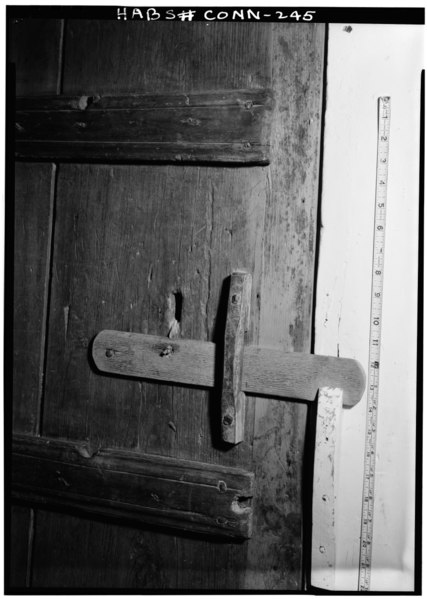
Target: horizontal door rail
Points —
{"points": [[181, 494], [229, 126]]}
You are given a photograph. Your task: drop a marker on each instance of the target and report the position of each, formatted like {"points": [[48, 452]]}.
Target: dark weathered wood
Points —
{"points": [[191, 227], [120, 256], [98, 556], [265, 371], [100, 282], [233, 400], [189, 496], [116, 151], [36, 50], [227, 126], [34, 196], [110, 57], [18, 559], [245, 98], [88, 553], [127, 240]]}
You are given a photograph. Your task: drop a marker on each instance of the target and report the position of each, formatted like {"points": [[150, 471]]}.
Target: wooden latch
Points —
{"points": [[334, 382], [246, 368]]}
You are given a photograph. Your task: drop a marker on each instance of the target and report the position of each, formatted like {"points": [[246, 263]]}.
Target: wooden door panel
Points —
{"points": [[96, 555], [20, 523], [132, 56], [34, 192], [129, 238], [135, 247], [35, 47], [132, 242], [275, 551], [33, 214]]}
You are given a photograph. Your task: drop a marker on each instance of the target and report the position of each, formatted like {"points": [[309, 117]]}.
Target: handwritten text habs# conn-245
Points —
{"points": [[244, 14]]}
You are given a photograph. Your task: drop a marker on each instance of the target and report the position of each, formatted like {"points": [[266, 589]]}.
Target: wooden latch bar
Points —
{"points": [[266, 371]]}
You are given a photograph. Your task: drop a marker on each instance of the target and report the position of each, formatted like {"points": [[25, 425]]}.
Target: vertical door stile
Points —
{"points": [[286, 299], [35, 190]]}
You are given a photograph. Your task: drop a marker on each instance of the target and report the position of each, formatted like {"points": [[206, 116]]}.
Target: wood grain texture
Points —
{"points": [[121, 256], [187, 495], [233, 400], [275, 553], [35, 47], [106, 216], [220, 127], [159, 358], [94, 555], [248, 99], [245, 152], [265, 370], [160, 233], [34, 196], [131, 240], [18, 558], [326, 451], [298, 375], [114, 56]]}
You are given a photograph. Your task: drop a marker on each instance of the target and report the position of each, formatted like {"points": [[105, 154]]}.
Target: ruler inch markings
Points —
{"points": [[366, 534]]}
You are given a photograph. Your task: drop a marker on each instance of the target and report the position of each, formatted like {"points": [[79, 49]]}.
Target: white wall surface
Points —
{"points": [[368, 62]]}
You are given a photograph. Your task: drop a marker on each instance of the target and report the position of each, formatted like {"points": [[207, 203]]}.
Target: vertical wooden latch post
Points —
{"points": [[233, 399]]}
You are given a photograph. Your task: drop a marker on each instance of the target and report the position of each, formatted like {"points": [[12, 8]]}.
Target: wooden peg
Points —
{"points": [[233, 399]]}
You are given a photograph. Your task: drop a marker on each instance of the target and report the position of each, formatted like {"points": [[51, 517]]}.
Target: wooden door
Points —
{"points": [[145, 243]]}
